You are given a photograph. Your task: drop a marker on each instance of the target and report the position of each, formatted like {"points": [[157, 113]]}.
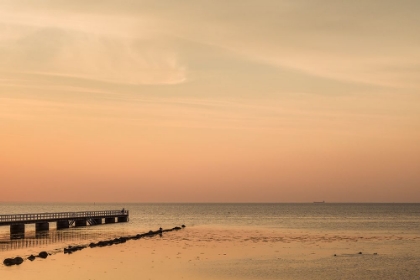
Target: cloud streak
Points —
{"points": [[138, 43], [88, 46]]}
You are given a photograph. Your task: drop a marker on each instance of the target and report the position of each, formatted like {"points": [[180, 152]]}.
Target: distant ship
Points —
{"points": [[319, 201]]}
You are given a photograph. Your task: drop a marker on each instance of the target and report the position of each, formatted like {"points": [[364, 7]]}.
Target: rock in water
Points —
{"points": [[31, 257], [9, 262], [15, 261], [43, 255], [18, 260]]}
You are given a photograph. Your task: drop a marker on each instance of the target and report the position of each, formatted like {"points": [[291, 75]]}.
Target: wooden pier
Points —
{"points": [[63, 220]]}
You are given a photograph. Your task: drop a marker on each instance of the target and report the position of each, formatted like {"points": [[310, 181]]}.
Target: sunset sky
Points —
{"points": [[209, 101]]}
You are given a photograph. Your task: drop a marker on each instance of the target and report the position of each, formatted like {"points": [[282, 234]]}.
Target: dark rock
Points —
{"points": [[9, 262], [71, 249], [31, 258], [119, 240], [103, 243], [43, 255], [14, 261], [18, 260], [183, 226], [360, 253]]}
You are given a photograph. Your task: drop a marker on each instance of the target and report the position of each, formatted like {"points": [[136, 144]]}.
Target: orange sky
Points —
{"points": [[238, 101]]}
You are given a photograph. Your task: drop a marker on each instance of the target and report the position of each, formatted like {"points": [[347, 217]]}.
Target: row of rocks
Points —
{"points": [[123, 239], [72, 249], [13, 261], [19, 260]]}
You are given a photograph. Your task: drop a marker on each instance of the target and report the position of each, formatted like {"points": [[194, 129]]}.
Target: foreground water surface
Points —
{"points": [[227, 241], [318, 217]]}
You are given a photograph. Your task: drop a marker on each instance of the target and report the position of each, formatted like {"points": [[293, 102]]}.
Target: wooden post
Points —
{"points": [[81, 223], [109, 220], [44, 226], [63, 224], [17, 231]]}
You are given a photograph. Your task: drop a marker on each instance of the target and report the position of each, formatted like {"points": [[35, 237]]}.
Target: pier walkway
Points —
{"points": [[63, 220]]}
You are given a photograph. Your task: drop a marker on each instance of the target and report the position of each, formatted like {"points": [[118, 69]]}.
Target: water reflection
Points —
{"points": [[64, 237], [42, 235]]}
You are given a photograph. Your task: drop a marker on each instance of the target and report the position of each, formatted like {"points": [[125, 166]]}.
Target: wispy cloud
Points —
{"points": [[137, 42], [90, 46]]}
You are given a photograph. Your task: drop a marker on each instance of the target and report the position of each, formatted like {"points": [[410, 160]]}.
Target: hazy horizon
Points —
{"points": [[198, 101]]}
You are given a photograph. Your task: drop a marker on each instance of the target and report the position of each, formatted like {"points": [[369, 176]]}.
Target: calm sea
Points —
{"points": [[325, 217]]}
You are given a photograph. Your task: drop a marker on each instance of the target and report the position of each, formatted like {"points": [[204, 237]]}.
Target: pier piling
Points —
{"points": [[17, 231], [81, 223], [43, 226], [62, 224], [97, 221]]}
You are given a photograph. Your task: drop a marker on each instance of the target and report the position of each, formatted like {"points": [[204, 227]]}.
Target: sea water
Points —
{"points": [[271, 241], [387, 218]]}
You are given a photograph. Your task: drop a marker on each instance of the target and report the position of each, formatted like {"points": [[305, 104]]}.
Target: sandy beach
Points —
{"points": [[234, 253]]}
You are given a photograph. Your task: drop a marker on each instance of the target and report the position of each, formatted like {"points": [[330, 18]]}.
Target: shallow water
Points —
{"points": [[235, 241], [328, 217]]}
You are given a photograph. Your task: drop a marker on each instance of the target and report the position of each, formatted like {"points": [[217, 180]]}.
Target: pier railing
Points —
{"points": [[34, 217]]}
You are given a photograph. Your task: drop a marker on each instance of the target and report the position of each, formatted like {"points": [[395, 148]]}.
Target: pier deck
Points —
{"points": [[17, 222]]}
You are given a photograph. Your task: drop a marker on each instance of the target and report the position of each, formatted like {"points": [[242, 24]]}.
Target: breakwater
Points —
{"points": [[71, 249]]}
